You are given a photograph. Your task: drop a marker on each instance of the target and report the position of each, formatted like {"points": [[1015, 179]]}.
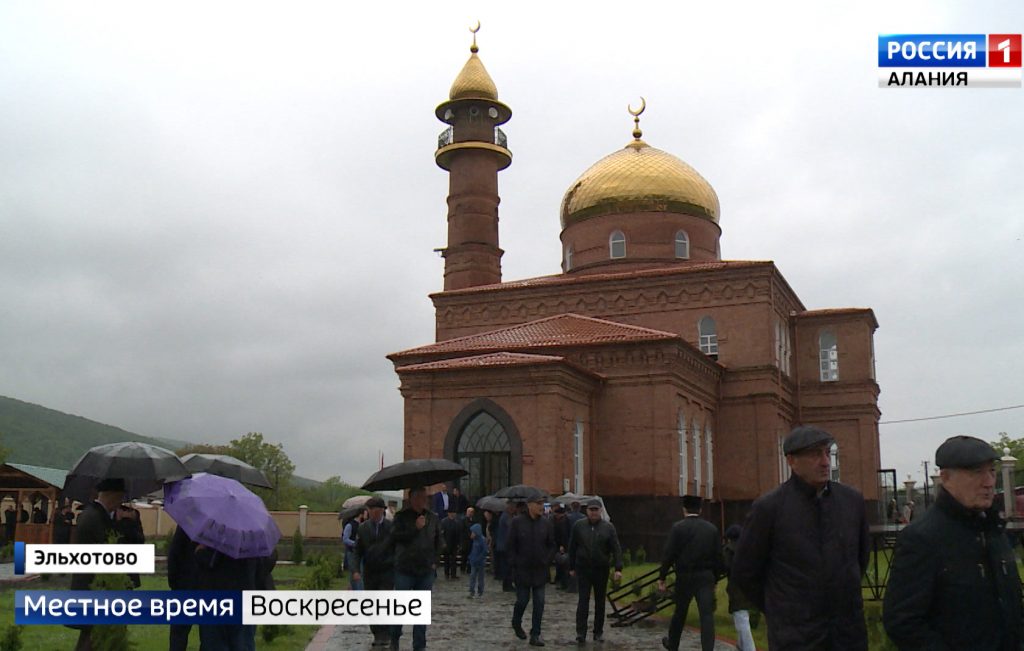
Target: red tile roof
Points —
{"points": [[484, 361], [559, 330], [574, 279]]}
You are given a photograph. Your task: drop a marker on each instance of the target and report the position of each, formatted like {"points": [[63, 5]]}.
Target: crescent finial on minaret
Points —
{"points": [[636, 117], [473, 48]]}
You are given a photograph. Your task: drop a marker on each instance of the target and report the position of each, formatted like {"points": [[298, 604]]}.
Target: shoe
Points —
{"points": [[537, 641], [520, 633], [599, 637], [393, 645], [581, 639], [664, 643]]}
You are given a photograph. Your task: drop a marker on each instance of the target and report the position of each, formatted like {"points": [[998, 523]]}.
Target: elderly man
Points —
{"points": [[96, 526], [374, 555], [803, 551], [694, 548], [531, 547], [953, 583], [417, 539], [593, 549]]}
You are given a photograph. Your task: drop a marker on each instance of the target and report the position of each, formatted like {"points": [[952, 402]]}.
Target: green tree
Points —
{"points": [[1016, 447], [203, 448], [3, 451], [269, 458]]}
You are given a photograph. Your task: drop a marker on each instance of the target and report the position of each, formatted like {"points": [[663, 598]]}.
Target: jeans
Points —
{"points": [[476, 579], [523, 594], [349, 563], [413, 582], [744, 639], [688, 586], [595, 578]]}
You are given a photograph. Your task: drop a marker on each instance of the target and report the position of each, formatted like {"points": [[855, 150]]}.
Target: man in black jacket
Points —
{"points": [[803, 551], [593, 548], [417, 539], [953, 582], [96, 527], [695, 549], [531, 547], [375, 555]]}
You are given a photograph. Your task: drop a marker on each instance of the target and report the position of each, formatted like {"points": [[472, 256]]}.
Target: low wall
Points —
{"points": [[157, 523]]}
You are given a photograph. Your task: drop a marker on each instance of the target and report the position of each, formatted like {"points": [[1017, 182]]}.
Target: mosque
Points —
{"points": [[649, 368]]}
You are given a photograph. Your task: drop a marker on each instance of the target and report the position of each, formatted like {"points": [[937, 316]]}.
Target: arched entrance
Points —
{"points": [[485, 441]]}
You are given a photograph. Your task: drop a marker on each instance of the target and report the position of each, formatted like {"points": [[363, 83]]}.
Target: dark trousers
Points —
{"points": [[226, 637], [699, 585], [451, 564], [523, 595], [178, 637], [413, 582], [384, 581], [596, 579]]}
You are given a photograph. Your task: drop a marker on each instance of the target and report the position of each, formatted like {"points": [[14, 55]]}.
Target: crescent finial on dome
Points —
{"points": [[637, 133]]}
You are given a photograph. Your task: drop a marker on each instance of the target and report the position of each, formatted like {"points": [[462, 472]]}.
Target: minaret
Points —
{"points": [[473, 150]]}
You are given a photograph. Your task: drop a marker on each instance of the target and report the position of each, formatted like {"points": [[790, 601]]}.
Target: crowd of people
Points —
{"points": [[798, 559]]}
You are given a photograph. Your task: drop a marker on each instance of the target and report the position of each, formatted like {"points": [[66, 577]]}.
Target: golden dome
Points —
{"points": [[639, 178], [473, 82]]}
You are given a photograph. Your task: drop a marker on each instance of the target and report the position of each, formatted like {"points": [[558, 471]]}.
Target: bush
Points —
{"points": [[113, 637], [320, 577], [270, 632], [10, 639], [641, 556], [297, 547], [627, 558]]}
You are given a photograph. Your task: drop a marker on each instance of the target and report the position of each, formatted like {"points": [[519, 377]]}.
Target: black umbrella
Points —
{"points": [[521, 493], [143, 467], [350, 512], [413, 473], [492, 503], [223, 465]]}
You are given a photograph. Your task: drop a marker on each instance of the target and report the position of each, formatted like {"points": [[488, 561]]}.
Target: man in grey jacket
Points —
{"points": [[593, 548]]}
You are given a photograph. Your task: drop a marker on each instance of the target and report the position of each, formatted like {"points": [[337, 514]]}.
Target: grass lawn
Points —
{"points": [[150, 638], [877, 640]]}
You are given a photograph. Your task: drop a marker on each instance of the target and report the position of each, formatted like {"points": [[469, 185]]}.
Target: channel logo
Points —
{"points": [[949, 60]]}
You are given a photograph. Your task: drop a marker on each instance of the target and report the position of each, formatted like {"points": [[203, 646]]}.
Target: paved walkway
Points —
{"points": [[463, 624]]}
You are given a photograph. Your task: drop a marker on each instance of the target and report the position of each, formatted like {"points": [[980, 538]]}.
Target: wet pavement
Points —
{"points": [[464, 624]]}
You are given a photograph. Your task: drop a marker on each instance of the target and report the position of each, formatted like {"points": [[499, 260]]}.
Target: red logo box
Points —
{"points": [[1005, 57]]}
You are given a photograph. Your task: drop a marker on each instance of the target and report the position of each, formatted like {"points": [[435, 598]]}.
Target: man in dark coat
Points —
{"points": [[562, 533], [181, 575], [694, 548], [593, 549], [953, 583], [374, 553], [96, 527], [501, 565], [62, 525], [803, 551], [451, 532], [531, 547], [418, 541]]}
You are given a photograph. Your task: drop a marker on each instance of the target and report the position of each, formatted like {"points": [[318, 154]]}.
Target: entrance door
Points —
{"points": [[484, 450]]}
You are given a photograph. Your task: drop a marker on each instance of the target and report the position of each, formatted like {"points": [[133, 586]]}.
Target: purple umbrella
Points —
{"points": [[223, 515]]}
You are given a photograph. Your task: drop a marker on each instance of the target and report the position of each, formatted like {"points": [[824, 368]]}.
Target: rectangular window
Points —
{"points": [[578, 457], [833, 454], [709, 453], [828, 356], [784, 470], [696, 457], [684, 460]]}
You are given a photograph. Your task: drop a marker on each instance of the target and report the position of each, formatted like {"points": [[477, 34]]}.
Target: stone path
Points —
{"points": [[463, 624]]}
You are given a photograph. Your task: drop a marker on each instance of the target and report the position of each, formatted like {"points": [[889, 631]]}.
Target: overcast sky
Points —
{"points": [[218, 218]]}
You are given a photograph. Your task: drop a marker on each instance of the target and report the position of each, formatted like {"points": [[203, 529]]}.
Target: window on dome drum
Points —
{"points": [[708, 337], [682, 245], [617, 245], [828, 356], [485, 450], [568, 258], [833, 454]]}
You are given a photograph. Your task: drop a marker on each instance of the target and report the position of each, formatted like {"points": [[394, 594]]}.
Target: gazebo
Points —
{"points": [[25, 484]]}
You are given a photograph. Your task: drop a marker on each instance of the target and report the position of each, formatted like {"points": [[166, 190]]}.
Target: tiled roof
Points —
{"points": [[558, 330], [579, 279], [484, 361]]}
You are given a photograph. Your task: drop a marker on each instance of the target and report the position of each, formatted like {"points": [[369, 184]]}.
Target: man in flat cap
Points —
{"points": [[96, 526], [695, 549], [953, 582], [374, 560], [593, 550], [531, 548], [803, 551]]}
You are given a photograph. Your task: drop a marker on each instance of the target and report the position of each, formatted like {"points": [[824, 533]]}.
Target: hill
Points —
{"points": [[39, 436]]}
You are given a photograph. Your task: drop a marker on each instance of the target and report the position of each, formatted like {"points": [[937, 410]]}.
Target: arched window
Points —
{"points": [[568, 257], [828, 356], [617, 245], [484, 450], [682, 245], [708, 337]]}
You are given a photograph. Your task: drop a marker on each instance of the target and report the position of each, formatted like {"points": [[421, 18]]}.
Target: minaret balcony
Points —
{"points": [[447, 137], [446, 146]]}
